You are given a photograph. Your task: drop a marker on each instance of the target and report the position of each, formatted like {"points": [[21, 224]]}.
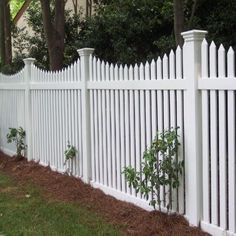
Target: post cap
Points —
{"points": [[194, 35], [85, 51], [29, 61]]}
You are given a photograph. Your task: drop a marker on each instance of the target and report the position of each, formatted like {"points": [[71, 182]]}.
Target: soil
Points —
{"points": [[56, 186]]}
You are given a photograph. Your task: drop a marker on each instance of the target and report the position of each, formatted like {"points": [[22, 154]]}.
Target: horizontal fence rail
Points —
{"points": [[111, 113]]}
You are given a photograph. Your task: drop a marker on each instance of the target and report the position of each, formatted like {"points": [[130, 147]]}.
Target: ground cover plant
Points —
{"points": [[53, 187]]}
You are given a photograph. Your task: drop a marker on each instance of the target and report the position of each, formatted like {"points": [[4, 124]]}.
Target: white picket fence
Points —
{"points": [[111, 113]]}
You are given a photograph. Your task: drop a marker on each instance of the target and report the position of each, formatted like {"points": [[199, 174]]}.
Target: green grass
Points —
{"points": [[23, 211]]}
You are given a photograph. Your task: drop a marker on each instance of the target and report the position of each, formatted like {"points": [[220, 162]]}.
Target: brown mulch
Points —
{"points": [[66, 188]]}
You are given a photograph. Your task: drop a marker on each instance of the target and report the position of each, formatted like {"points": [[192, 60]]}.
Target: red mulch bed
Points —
{"points": [[66, 188]]}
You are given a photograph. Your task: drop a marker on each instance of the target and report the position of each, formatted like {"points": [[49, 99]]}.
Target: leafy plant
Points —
{"points": [[18, 137], [160, 167], [70, 152]]}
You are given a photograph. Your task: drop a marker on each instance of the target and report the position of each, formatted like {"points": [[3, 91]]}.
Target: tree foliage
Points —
{"points": [[15, 6], [129, 31], [34, 45]]}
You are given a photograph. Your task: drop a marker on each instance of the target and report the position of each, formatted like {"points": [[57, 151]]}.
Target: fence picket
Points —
{"points": [[231, 144], [214, 137], [205, 136]]}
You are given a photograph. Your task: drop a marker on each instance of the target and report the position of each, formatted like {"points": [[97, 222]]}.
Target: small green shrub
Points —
{"points": [[70, 152], [18, 137], [160, 167]]}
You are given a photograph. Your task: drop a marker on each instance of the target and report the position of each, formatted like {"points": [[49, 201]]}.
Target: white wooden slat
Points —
{"points": [[100, 134], [166, 103], [57, 127], [214, 135], [153, 70], [148, 108], [60, 111], [112, 120], [135, 145], [172, 65], [127, 134], [43, 128], [103, 71], [107, 74], [121, 73], [135, 110], [94, 69], [179, 70], [160, 111], [81, 157], [108, 127], [104, 137], [231, 145], [98, 65], [122, 140], [54, 130], [117, 131], [181, 200], [213, 60], [173, 117], [93, 154], [113, 142], [116, 73], [96, 135], [205, 156], [214, 157], [222, 142], [142, 117], [73, 130]]}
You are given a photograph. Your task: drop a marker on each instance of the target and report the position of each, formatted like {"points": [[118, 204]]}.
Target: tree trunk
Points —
{"points": [[55, 32], [2, 37], [178, 21], [5, 33]]}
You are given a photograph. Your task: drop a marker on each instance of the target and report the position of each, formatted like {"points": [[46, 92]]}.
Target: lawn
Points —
{"points": [[24, 211]]}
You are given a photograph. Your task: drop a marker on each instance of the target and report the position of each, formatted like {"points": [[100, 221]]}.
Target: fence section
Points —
{"points": [[128, 106], [12, 103], [111, 114], [218, 153], [56, 118]]}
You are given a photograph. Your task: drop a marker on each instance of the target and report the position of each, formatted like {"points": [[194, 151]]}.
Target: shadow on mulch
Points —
{"points": [[134, 220]]}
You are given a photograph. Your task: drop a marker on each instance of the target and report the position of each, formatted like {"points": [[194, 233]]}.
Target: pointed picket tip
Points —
{"points": [[212, 45], [116, 67], [111, 66], [153, 62], [230, 51], [125, 67], [159, 59], [221, 48], [204, 42], [172, 54], [165, 57], [178, 49], [136, 66], [146, 64]]}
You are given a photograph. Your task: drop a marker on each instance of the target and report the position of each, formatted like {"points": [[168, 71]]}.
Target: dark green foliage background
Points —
{"points": [[125, 31]]}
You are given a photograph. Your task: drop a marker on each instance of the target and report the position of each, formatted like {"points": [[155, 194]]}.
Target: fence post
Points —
{"points": [[84, 54], [27, 77], [192, 123]]}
